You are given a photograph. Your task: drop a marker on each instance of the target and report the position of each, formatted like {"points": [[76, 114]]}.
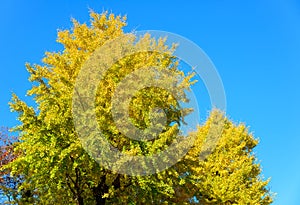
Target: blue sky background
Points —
{"points": [[255, 45]]}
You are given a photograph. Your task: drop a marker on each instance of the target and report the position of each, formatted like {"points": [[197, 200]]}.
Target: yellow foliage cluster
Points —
{"points": [[57, 170]]}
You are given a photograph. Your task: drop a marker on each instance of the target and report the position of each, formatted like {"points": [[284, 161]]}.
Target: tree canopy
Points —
{"points": [[56, 167]]}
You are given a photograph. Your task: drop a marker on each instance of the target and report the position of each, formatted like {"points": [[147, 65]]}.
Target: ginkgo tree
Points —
{"points": [[56, 167]]}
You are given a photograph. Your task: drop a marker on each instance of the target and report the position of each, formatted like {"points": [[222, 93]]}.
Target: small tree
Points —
{"points": [[8, 184], [230, 174]]}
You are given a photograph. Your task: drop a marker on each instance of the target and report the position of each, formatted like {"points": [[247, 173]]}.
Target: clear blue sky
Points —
{"points": [[255, 45]]}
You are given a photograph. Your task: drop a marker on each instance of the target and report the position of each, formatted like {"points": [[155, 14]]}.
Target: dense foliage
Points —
{"points": [[56, 169]]}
